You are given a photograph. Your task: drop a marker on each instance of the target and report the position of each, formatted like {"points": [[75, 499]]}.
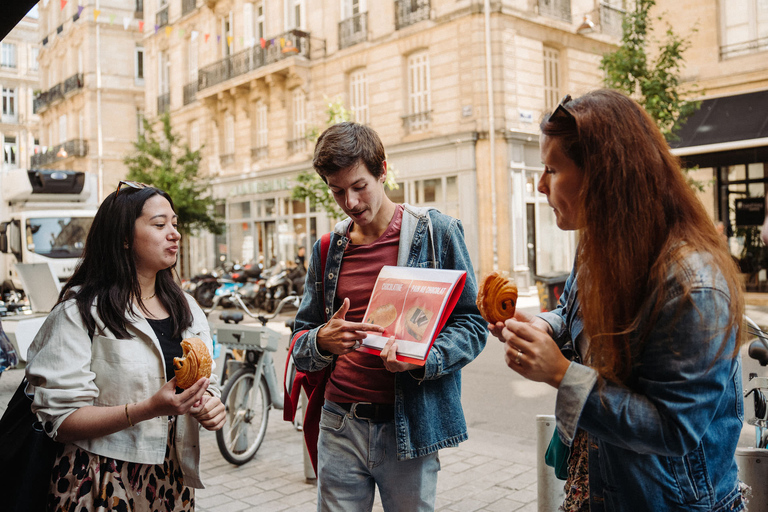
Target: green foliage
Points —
{"points": [[166, 162], [654, 83], [310, 185]]}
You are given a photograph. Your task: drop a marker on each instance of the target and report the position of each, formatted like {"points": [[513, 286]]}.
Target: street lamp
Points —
{"points": [[587, 26]]}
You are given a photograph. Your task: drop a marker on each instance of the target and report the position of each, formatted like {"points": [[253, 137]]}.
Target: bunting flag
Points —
{"points": [[157, 27], [96, 13], [218, 38], [282, 42], [194, 34], [206, 37], [63, 4], [141, 26], [126, 22], [262, 42], [45, 3], [168, 30], [80, 10], [111, 19], [229, 40], [182, 32], [240, 41]]}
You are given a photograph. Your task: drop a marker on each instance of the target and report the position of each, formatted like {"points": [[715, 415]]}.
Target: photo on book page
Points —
{"points": [[411, 304]]}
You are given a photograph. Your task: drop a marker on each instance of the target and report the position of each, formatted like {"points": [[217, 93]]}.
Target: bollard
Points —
{"points": [[753, 471], [550, 490], [309, 471]]}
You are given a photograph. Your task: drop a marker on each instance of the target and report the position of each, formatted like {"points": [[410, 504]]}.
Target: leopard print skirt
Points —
{"points": [[82, 481]]}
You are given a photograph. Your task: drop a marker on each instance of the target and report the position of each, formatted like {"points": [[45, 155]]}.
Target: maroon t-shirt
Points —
{"points": [[357, 376]]}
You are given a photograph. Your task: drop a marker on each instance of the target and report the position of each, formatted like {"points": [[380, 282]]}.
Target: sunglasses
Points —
{"points": [[561, 110], [132, 184]]}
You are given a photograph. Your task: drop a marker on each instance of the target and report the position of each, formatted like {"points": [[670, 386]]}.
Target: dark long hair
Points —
{"points": [[106, 273], [640, 218]]}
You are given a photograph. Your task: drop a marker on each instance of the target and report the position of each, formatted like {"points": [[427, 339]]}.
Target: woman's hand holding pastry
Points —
{"points": [[166, 402], [209, 412], [532, 352]]}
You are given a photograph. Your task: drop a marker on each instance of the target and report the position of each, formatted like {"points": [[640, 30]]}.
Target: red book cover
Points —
{"points": [[413, 305]]}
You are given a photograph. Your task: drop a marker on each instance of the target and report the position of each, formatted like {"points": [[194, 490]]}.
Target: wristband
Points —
{"points": [[128, 416]]}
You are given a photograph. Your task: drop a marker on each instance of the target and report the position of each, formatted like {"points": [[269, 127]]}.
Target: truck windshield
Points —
{"points": [[58, 237]]}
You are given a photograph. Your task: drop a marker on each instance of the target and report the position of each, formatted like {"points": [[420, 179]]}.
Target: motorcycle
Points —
{"points": [[284, 281]]}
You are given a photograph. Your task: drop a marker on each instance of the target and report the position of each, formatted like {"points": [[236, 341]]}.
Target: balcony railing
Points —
{"points": [[190, 90], [408, 12], [161, 18], [294, 42], [187, 6], [57, 92], [736, 49], [75, 147], [560, 9], [353, 30], [297, 145], [163, 103], [417, 122], [259, 153], [227, 160], [611, 19]]}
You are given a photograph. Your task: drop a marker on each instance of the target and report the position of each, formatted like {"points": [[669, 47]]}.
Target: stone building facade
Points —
{"points": [[248, 81]]}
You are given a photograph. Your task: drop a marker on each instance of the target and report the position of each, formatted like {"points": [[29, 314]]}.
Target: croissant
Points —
{"points": [[194, 364], [383, 315], [497, 297]]}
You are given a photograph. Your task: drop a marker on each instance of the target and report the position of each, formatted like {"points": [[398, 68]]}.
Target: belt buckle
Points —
{"points": [[354, 410]]}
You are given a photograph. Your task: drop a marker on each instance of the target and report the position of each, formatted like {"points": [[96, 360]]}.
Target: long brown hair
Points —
{"points": [[640, 219]]}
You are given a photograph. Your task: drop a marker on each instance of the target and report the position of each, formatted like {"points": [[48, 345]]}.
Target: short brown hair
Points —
{"points": [[345, 144]]}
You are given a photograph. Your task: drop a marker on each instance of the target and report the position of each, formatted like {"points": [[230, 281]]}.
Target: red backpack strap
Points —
{"points": [[325, 244]]}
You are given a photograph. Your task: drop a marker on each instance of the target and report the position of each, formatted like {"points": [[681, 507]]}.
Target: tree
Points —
{"points": [[310, 185], [166, 162], [653, 82]]}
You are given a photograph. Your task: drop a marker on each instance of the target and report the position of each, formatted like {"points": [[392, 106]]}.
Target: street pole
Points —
{"points": [[99, 161], [491, 132]]}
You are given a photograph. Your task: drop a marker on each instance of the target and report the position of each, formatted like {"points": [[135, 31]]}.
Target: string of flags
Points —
{"points": [[286, 45]]}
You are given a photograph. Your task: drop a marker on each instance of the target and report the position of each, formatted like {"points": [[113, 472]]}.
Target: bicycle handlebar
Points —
{"points": [[234, 294]]}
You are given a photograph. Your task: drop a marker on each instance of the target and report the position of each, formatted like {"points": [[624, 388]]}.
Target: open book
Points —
{"points": [[411, 304]]}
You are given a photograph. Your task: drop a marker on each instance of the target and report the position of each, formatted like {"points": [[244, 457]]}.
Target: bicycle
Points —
{"points": [[252, 387]]}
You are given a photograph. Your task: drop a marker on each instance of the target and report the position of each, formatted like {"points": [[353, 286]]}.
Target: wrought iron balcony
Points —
{"points": [[297, 145], [259, 153], [408, 12], [73, 83], [611, 19], [187, 6], [161, 18], [71, 148], [163, 103], [353, 30], [190, 90], [560, 9], [417, 122], [289, 44]]}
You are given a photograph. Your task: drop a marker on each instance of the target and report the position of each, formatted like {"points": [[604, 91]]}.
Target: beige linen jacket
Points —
{"points": [[68, 371]]}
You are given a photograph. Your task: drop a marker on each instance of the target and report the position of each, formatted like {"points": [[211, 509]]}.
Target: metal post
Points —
{"points": [[491, 133], [753, 471], [309, 471], [550, 490]]}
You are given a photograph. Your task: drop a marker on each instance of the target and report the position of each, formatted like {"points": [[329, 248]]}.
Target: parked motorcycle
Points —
{"points": [[283, 282]]}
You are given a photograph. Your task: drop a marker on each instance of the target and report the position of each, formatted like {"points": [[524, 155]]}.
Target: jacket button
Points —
{"points": [[338, 242], [48, 427], [330, 276]]}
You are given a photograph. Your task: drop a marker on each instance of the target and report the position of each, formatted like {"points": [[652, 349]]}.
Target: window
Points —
{"points": [[192, 52], [9, 101], [194, 136], [9, 150], [744, 27], [139, 65], [34, 54], [62, 128], [419, 101], [260, 32], [262, 132], [352, 8], [229, 134], [248, 24], [139, 122], [551, 78], [227, 41], [163, 70], [8, 55], [299, 114], [358, 95], [294, 14]]}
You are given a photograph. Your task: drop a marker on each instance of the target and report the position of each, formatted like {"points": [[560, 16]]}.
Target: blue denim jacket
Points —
{"points": [[665, 441], [428, 412]]}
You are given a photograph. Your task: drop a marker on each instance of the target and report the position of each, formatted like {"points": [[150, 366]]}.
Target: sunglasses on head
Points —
{"points": [[561, 110], [132, 184]]}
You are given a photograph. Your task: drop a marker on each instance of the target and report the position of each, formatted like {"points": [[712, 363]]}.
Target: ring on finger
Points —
{"points": [[519, 353]]}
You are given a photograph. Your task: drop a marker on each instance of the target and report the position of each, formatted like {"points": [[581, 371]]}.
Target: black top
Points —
{"points": [[171, 346]]}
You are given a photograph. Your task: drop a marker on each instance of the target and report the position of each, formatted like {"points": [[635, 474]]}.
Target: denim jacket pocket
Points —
{"points": [[691, 475]]}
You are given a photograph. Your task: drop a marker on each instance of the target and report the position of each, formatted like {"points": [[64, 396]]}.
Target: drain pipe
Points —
{"points": [[491, 132]]}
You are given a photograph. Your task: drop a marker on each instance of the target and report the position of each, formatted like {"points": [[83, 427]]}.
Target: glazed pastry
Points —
{"points": [[416, 321], [497, 297], [194, 364], [383, 315]]}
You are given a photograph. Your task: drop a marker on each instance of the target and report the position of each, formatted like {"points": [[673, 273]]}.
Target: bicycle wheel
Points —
{"points": [[247, 409], [290, 372]]}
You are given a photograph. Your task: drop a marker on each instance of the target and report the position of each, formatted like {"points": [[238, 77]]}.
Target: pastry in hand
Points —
{"points": [[195, 364], [383, 315], [416, 321], [497, 297]]}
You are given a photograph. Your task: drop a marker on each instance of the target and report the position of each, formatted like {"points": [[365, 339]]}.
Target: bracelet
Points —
{"points": [[128, 416]]}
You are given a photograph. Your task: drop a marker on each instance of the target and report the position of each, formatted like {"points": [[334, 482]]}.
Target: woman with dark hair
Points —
{"points": [[102, 367], [643, 346]]}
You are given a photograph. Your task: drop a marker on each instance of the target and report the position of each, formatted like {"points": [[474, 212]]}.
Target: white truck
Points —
{"points": [[45, 216]]}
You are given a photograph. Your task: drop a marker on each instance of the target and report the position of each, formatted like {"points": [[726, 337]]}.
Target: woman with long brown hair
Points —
{"points": [[643, 346]]}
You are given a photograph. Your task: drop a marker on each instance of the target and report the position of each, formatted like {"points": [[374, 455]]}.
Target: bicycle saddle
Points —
{"points": [[231, 317], [758, 352]]}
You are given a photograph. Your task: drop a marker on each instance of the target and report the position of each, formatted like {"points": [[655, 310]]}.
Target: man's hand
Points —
{"points": [[521, 316], [341, 337], [209, 412], [388, 355]]}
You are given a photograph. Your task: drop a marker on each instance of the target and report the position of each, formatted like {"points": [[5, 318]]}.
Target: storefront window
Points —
{"points": [[397, 195], [240, 210]]}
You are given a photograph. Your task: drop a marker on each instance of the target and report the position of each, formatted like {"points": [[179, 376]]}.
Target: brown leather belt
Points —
{"points": [[377, 413]]}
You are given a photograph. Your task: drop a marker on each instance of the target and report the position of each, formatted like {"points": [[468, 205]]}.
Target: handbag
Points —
{"points": [[26, 458], [557, 456]]}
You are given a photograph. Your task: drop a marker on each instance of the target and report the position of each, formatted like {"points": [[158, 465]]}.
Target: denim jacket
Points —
{"points": [[666, 440], [428, 413]]}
